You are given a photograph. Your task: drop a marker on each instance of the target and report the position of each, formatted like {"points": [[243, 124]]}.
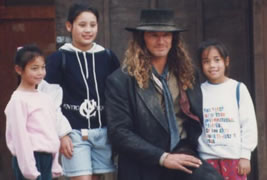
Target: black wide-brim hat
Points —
{"points": [[159, 20]]}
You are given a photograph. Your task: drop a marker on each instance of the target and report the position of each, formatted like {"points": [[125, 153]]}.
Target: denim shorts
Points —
{"points": [[92, 156]]}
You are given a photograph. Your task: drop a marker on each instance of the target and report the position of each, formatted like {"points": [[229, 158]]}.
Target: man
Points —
{"points": [[152, 108]]}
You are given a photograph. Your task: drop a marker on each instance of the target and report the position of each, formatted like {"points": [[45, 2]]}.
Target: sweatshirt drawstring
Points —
{"points": [[97, 93], [86, 65], [86, 85], [85, 77]]}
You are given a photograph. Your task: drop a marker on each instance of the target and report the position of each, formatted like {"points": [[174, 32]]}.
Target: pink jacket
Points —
{"points": [[31, 126]]}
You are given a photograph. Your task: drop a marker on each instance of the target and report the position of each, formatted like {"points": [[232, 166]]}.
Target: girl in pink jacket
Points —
{"points": [[31, 134]]}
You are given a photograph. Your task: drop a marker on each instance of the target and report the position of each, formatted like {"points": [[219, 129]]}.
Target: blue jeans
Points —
{"points": [[43, 164]]}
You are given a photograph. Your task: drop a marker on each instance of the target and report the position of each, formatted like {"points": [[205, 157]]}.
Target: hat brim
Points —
{"points": [[155, 29]]}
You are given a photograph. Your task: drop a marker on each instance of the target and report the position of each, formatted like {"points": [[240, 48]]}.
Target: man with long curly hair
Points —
{"points": [[154, 105]]}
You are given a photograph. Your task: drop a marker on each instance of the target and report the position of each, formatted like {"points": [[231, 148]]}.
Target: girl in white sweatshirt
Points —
{"points": [[229, 124]]}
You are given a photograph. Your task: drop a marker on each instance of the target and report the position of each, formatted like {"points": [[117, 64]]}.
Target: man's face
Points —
{"points": [[158, 43]]}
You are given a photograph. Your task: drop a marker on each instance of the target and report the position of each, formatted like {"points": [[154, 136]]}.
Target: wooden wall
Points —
{"points": [[260, 80], [227, 20]]}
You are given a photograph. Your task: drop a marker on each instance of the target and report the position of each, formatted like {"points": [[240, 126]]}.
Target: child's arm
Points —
{"points": [[63, 127], [248, 124], [55, 92], [17, 132], [62, 124]]}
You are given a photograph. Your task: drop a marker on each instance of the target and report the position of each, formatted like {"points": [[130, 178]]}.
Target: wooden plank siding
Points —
{"points": [[106, 23], [23, 13], [260, 80], [228, 21]]}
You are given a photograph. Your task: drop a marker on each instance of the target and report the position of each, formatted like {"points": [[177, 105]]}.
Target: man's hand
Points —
{"points": [[181, 162], [244, 167], [66, 147]]}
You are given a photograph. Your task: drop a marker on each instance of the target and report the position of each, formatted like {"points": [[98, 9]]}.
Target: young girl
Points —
{"points": [[229, 129], [81, 68], [31, 134]]}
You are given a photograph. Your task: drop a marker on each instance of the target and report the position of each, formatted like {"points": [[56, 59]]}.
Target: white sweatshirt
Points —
{"points": [[229, 131], [56, 93]]}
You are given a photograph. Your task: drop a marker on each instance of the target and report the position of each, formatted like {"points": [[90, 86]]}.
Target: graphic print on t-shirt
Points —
{"points": [[218, 126]]}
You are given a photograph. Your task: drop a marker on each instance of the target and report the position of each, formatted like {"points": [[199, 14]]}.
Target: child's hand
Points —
{"points": [[244, 167], [66, 146]]}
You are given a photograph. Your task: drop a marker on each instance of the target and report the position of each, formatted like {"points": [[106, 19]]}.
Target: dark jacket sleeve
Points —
{"points": [[120, 109]]}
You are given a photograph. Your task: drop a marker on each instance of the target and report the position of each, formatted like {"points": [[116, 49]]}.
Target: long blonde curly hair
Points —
{"points": [[137, 61]]}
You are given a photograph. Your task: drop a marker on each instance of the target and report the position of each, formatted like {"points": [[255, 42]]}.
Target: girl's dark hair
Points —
{"points": [[76, 9], [27, 53], [212, 43]]}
